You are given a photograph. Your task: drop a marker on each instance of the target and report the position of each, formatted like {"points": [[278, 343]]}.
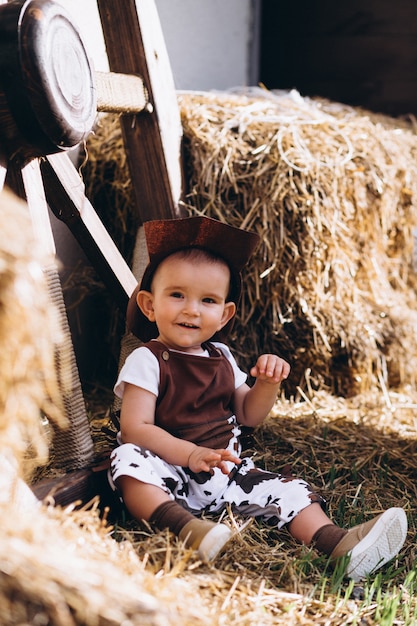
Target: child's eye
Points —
{"points": [[176, 294], [209, 300]]}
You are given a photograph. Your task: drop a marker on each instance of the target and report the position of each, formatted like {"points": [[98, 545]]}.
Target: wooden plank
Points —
{"points": [[162, 89], [79, 486], [135, 45], [65, 195], [64, 490], [38, 207]]}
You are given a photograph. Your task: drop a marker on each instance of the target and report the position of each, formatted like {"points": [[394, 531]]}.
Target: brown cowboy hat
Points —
{"points": [[164, 237]]}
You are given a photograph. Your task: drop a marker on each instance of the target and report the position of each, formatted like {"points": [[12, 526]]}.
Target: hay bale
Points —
{"points": [[331, 190], [62, 567], [30, 337]]}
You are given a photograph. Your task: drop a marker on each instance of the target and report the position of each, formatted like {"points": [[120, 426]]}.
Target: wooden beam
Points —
{"points": [[79, 486], [38, 207], [65, 195], [135, 45]]}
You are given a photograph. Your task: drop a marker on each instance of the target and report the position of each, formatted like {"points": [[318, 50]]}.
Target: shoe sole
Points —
{"points": [[213, 542], [380, 545]]}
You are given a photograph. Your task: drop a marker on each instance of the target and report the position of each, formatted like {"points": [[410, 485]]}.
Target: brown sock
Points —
{"points": [[171, 515], [326, 538]]}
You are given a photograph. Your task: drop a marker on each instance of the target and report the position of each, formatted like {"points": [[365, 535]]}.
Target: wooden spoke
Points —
{"points": [[65, 194]]}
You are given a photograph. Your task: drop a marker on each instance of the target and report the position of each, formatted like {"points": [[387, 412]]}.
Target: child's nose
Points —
{"points": [[192, 307]]}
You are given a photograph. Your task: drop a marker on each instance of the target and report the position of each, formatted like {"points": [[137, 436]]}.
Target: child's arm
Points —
{"points": [[137, 425], [252, 404]]}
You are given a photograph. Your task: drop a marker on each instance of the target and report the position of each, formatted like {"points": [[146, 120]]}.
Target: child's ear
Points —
{"points": [[144, 301], [228, 313]]}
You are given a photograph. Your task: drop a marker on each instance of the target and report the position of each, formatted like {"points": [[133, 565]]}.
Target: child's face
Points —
{"points": [[188, 301]]}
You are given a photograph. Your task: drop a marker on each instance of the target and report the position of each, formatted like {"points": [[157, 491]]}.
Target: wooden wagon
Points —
{"points": [[50, 97]]}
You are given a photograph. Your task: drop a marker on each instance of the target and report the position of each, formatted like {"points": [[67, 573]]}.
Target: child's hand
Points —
{"points": [[205, 460], [271, 369]]}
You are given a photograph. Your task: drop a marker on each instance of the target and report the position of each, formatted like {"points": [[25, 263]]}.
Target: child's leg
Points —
{"points": [[287, 501], [141, 499], [308, 521], [153, 504], [369, 545]]}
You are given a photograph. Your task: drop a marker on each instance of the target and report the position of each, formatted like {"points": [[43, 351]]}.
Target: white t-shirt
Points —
{"points": [[141, 368]]}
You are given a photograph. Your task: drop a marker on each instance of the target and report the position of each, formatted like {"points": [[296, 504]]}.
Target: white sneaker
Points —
{"points": [[372, 544], [208, 538]]}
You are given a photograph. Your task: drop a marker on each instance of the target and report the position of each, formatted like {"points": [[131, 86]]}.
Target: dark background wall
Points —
{"points": [[359, 52]]}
